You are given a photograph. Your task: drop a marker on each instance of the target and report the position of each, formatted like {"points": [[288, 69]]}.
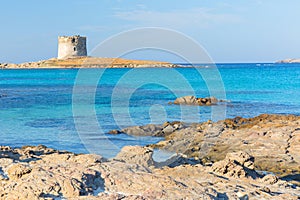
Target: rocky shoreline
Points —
{"points": [[274, 140], [87, 62], [213, 161]]}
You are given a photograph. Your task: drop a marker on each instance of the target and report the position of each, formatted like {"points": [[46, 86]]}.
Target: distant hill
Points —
{"points": [[289, 61]]}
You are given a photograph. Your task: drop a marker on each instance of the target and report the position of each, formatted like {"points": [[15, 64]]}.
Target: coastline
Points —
{"points": [[274, 140], [285, 61], [38, 172], [132, 100], [87, 62], [118, 63]]}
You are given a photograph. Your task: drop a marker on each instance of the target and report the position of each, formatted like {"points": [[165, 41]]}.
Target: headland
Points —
{"points": [[289, 61], [86, 62]]}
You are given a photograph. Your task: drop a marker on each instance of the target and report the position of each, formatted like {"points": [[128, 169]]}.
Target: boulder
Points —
{"points": [[270, 179], [188, 100], [136, 155], [238, 165], [147, 130], [192, 100]]}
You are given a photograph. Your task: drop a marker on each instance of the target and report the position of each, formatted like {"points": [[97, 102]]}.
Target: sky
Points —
{"points": [[229, 31]]}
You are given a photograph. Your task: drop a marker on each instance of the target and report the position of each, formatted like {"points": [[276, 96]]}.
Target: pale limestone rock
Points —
{"points": [[136, 155], [236, 165], [192, 100], [270, 179], [189, 100], [16, 171], [71, 176]]}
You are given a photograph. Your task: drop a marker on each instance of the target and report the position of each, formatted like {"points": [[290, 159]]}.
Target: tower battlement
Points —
{"points": [[71, 46]]}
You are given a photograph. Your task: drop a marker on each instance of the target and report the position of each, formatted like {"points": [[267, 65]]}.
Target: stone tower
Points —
{"points": [[71, 46]]}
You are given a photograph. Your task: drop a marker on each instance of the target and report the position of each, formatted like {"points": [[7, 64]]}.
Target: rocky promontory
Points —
{"points": [[289, 61], [274, 140], [86, 62]]}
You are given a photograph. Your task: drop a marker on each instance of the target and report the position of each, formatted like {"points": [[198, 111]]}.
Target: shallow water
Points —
{"points": [[37, 105]]}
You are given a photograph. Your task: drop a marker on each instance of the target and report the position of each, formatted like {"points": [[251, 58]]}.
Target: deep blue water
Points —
{"points": [[71, 109]]}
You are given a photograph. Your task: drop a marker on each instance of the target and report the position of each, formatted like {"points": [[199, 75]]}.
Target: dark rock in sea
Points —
{"points": [[151, 129], [147, 130], [3, 95], [114, 132]]}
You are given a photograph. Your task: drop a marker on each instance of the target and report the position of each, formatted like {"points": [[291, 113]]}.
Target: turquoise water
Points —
{"points": [[39, 107]]}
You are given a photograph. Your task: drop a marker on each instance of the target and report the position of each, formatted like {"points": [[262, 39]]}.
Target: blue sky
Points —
{"points": [[230, 31]]}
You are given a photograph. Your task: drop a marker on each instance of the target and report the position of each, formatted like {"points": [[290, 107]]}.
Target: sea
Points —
{"points": [[74, 109]]}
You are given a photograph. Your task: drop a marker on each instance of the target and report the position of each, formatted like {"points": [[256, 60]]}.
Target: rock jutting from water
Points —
{"points": [[38, 172], [192, 100]]}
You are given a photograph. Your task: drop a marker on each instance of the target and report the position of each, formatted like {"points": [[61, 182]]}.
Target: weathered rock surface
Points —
{"points": [[44, 173], [237, 165], [274, 140], [151, 129], [230, 151], [192, 100]]}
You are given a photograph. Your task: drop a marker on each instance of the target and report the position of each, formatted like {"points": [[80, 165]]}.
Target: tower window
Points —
{"points": [[73, 40], [74, 48]]}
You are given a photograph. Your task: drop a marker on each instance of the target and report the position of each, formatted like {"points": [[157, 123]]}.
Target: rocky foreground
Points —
{"points": [[44, 173], [274, 140], [214, 161], [86, 62]]}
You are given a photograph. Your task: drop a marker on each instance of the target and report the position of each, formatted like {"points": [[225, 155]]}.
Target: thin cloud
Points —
{"points": [[201, 17]]}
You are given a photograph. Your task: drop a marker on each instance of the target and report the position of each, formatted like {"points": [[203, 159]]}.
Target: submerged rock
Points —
{"points": [[150, 129], [147, 130]]}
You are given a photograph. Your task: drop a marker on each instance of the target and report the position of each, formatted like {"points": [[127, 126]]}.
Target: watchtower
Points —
{"points": [[71, 46]]}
